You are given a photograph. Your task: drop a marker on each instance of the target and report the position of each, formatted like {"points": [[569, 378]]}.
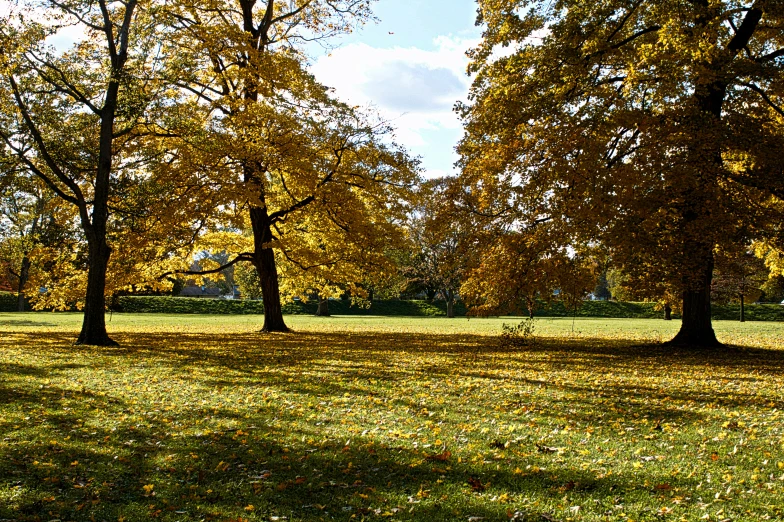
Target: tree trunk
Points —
{"points": [[270, 291], [24, 275], [699, 189], [696, 328], [667, 312], [94, 226], [94, 322], [450, 305], [264, 261], [742, 309], [323, 307]]}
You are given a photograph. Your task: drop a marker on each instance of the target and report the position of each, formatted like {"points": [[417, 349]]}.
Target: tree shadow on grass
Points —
{"points": [[106, 453], [150, 471]]}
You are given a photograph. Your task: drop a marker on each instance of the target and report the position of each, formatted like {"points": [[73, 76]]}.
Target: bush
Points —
{"points": [[186, 305], [7, 302], [521, 334], [609, 309]]}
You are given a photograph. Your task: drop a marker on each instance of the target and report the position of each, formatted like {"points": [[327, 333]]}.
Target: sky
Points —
{"points": [[411, 68]]}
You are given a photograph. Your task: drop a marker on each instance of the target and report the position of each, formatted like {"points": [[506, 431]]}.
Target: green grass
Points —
{"points": [[387, 418]]}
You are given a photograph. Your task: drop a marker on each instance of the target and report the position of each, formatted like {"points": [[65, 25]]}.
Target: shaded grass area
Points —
{"points": [[379, 419]]}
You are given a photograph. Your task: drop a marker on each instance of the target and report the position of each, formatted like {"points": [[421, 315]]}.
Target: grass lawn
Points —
{"points": [[388, 418]]}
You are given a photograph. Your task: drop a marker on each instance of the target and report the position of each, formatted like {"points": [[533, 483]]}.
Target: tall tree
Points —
{"points": [[70, 114], [310, 172], [441, 243], [646, 126]]}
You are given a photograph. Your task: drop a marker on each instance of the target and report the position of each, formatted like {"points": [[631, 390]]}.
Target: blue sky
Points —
{"points": [[413, 77]]}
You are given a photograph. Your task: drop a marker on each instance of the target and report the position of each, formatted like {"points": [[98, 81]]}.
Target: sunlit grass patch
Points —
{"points": [[387, 418]]}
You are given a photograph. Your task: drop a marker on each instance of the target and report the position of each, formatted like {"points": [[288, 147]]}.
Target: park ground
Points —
{"points": [[388, 418]]}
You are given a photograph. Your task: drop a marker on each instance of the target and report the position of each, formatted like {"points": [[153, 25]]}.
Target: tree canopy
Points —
{"points": [[647, 127]]}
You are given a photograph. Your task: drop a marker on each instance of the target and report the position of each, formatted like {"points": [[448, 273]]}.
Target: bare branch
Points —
{"points": [[245, 256], [764, 96]]}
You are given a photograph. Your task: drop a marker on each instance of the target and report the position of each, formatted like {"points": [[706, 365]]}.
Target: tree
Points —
{"points": [[27, 222], [602, 290], [738, 276], [441, 243], [647, 127], [520, 267], [70, 115], [314, 176]]}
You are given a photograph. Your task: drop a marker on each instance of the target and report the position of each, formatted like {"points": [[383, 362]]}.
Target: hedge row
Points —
{"points": [[627, 310], [610, 309], [185, 305], [189, 305], [7, 302]]}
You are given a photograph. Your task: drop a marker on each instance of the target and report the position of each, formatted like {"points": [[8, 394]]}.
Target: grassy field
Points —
{"points": [[368, 418]]}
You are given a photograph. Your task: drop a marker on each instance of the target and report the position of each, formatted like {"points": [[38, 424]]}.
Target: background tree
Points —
{"points": [[70, 115], [27, 222], [441, 244], [739, 276], [647, 127], [773, 289]]}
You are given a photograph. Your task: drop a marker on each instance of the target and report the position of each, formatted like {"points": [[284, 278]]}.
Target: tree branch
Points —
{"points": [[770, 56], [746, 30], [245, 256], [78, 198], [765, 97]]}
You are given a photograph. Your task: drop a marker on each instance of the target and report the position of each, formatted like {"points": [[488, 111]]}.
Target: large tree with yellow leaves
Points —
{"points": [[320, 184], [650, 127]]}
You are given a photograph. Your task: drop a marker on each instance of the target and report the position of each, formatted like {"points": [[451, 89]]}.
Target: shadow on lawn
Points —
{"points": [[104, 456], [145, 471]]}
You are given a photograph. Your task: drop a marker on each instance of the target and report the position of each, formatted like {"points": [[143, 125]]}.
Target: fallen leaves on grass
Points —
{"points": [[204, 424]]}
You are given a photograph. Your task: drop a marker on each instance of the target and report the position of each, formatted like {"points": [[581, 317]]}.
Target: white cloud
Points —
{"points": [[414, 89]]}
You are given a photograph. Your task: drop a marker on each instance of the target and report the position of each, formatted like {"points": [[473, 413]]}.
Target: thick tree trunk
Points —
{"points": [[270, 291], [450, 305], [742, 309], [667, 312], [94, 322], [24, 275], [696, 328], [264, 261], [323, 307]]}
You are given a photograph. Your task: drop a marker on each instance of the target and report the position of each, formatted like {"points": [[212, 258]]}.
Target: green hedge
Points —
{"points": [[185, 305], [759, 312], [7, 302], [614, 309], [191, 305]]}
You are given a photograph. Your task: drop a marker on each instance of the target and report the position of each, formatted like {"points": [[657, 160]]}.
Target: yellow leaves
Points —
{"points": [[148, 489]]}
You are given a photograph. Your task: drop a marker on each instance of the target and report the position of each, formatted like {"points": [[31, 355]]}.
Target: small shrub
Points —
{"points": [[517, 335], [7, 302]]}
